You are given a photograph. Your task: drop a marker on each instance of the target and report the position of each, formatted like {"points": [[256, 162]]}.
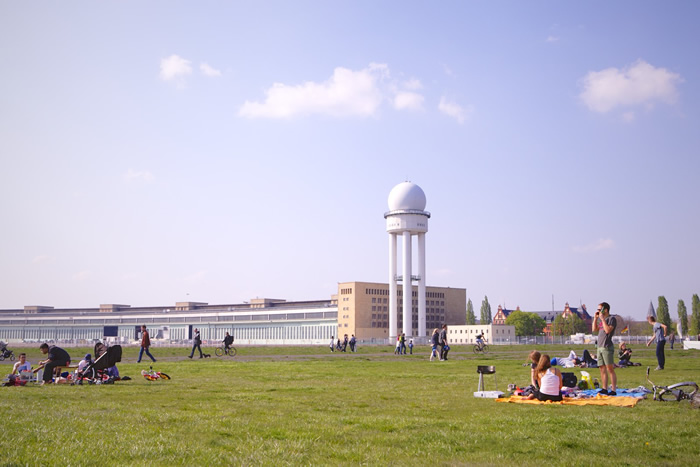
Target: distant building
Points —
{"points": [[493, 333], [363, 309]]}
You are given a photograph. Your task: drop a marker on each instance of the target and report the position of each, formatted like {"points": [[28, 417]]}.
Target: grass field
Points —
{"points": [[304, 405]]}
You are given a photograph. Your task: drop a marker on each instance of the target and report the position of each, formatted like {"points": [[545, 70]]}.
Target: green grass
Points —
{"points": [[303, 405]]}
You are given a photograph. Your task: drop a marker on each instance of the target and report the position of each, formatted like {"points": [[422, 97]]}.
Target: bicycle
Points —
{"points": [[481, 348], [151, 375], [221, 351], [687, 390]]}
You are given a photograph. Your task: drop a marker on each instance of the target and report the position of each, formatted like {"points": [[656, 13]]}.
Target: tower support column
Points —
{"points": [[407, 285], [421, 285], [393, 309]]}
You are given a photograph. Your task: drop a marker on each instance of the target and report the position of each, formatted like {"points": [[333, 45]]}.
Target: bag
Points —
{"points": [[569, 380]]}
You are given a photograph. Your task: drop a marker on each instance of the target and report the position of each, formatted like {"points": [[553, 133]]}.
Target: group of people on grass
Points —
{"points": [[439, 339], [342, 346], [401, 345], [548, 380]]}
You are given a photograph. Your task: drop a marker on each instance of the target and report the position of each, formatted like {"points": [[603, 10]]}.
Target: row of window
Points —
{"points": [[346, 291]]}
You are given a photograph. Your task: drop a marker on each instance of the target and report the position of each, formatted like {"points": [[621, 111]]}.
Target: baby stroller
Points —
{"points": [[103, 369], [5, 352]]}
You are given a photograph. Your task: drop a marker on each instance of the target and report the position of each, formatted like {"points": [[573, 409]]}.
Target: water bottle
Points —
{"points": [[595, 383]]}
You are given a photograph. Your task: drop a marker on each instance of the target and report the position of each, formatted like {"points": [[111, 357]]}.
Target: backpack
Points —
{"points": [[569, 380]]}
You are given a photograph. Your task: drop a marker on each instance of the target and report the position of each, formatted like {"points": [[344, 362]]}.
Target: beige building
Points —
{"points": [[493, 333], [363, 309]]}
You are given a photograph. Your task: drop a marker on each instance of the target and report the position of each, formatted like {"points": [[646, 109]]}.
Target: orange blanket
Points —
{"points": [[617, 401]]}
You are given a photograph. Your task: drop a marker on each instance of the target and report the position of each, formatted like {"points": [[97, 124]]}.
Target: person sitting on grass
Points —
{"points": [[549, 380], [21, 365], [625, 354], [534, 360], [56, 357]]}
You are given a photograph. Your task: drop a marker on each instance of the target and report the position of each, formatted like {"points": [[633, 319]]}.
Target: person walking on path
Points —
{"points": [[353, 343], [402, 340], [672, 339], [659, 333], [332, 343], [145, 344], [606, 324], [196, 343], [444, 348]]}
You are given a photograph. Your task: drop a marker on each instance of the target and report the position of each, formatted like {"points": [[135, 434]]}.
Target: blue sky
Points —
{"points": [[156, 152]]}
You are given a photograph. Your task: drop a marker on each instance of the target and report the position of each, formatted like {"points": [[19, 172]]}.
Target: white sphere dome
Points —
{"points": [[405, 196]]}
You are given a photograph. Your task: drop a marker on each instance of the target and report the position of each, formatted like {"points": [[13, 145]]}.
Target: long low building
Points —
{"points": [[262, 321]]}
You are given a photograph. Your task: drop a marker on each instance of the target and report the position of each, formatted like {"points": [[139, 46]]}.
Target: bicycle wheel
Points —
{"points": [[679, 391], [477, 349], [232, 352], [12, 357], [485, 348], [164, 376], [219, 351]]}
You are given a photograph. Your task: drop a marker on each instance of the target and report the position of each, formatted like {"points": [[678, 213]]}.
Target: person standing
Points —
{"points": [[196, 343], [444, 348], [434, 340], [145, 344], [56, 357], [672, 339], [410, 346], [605, 325], [353, 343], [659, 333], [402, 348], [332, 343], [345, 343]]}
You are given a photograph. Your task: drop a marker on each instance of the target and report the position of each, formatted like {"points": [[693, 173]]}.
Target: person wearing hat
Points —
{"points": [[196, 344]]}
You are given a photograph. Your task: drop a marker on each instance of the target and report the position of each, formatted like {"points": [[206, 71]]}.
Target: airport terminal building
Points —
{"points": [[363, 311]]}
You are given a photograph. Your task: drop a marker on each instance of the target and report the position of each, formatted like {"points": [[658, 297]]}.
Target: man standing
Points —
{"points": [[56, 357], [196, 343], [444, 348], [659, 333], [145, 344], [606, 325]]}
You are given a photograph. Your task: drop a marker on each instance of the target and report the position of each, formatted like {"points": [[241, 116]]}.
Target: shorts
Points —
{"points": [[606, 356], [434, 346]]}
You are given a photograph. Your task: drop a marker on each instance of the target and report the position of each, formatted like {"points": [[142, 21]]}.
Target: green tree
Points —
{"points": [[485, 311], [566, 326], [662, 313], [471, 317], [526, 324], [695, 317], [683, 316]]}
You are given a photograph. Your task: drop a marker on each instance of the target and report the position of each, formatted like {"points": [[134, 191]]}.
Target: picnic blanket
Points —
{"points": [[617, 401]]}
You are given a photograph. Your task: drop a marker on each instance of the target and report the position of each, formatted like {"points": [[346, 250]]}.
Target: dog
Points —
{"points": [[206, 355]]}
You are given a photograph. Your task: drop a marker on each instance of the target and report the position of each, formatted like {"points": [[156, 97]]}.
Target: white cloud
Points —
{"points": [[346, 93], [413, 84], [552, 39], [454, 110], [82, 276], [405, 100], [638, 84], [134, 176], [40, 259], [598, 245], [208, 70], [174, 67]]}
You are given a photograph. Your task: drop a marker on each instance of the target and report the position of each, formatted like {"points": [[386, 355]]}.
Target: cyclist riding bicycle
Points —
{"points": [[480, 340], [228, 340]]}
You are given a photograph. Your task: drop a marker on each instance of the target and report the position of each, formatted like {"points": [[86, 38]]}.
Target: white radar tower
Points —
{"points": [[406, 217]]}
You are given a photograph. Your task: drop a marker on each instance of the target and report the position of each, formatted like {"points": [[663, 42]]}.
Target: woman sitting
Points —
{"points": [[549, 380]]}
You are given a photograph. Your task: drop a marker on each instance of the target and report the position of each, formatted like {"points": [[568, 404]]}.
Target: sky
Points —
{"points": [[158, 152]]}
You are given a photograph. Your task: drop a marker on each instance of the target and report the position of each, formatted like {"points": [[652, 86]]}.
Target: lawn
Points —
{"points": [[304, 405]]}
